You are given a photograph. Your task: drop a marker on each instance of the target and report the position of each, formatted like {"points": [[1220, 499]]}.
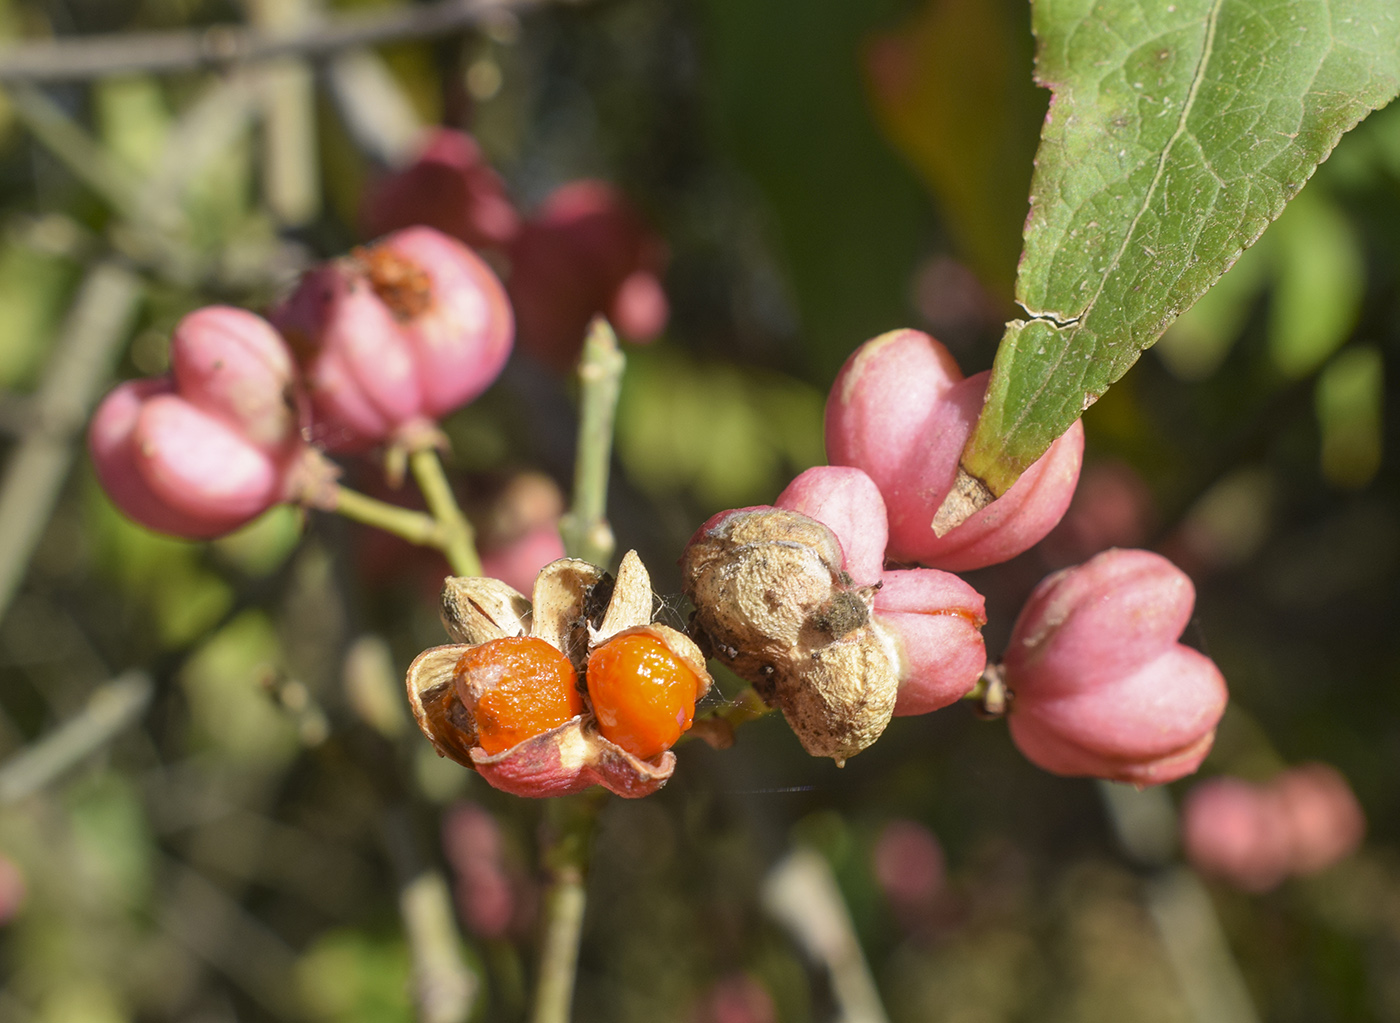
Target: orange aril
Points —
{"points": [[643, 695], [516, 688]]}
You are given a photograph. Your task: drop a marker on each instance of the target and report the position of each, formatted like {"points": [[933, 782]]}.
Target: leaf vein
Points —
{"points": [[1074, 323]]}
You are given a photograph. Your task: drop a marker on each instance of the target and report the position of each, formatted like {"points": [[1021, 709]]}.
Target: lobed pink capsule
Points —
{"points": [[215, 444], [901, 411], [450, 187], [395, 336], [937, 620], [1099, 684], [737, 998], [910, 868], [848, 503], [586, 251]]}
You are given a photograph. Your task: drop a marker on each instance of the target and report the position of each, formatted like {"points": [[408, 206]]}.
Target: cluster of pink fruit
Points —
{"points": [[1096, 681], [585, 251], [1256, 835], [372, 349]]}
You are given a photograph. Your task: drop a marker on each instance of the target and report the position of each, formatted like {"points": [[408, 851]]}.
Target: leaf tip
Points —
{"points": [[968, 496]]}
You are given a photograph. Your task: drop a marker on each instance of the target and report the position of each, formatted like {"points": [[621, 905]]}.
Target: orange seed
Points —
{"points": [[643, 695], [516, 688]]}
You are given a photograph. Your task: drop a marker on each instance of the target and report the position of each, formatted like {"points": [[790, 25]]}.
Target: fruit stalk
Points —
{"points": [[585, 528]]}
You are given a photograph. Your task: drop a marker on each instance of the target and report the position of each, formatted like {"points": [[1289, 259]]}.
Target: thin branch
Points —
{"points": [[112, 709], [572, 821], [78, 58], [444, 988], [405, 523], [585, 528], [800, 892], [563, 915], [459, 540], [87, 350]]}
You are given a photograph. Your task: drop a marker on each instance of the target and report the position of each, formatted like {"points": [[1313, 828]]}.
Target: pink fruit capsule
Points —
{"points": [[1235, 830], [232, 363], [215, 444], [396, 336], [1099, 684], [449, 187], [1326, 823], [848, 503], [585, 252], [937, 620], [901, 411]]}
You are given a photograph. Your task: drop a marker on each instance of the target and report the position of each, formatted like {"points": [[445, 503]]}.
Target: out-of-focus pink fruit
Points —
{"points": [[586, 251], [1325, 822], [1253, 836], [1100, 686], [1112, 507], [215, 444], [937, 621], [901, 411], [449, 187], [395, 336], [737, 998], [13, 890], [471, 838], [1234, 830], [519, 561], [910, 869], [848, 503]]}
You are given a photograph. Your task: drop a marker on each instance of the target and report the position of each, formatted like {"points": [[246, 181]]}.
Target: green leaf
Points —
{"points": [[1350, 400], [1176, 133]]}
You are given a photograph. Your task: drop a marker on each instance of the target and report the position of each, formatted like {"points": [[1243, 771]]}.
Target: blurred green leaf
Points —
{"points": [[785, 84], [82, 1000], [133, 119], [952, 90], [260, 547], [1350, 399], [161, 575], [352, 977], [34, 287], [112, 842], [1176, 133], [229, 708], [731, 437], [1320, 277]]}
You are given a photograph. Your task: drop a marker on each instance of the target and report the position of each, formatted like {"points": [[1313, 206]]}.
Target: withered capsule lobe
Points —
{"points": [[770, 592]]}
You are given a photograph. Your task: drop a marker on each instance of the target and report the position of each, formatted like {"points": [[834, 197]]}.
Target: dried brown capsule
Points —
{"points": [[771, 595]]}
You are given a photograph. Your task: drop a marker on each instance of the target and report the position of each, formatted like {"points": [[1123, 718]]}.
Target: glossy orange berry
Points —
{"points": [[643, 695], [516, 688]]}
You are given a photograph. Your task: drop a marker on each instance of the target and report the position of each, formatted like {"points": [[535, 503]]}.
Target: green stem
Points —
{"points": [[566, 859], [413, 526], [585, 528], [459, 540]]}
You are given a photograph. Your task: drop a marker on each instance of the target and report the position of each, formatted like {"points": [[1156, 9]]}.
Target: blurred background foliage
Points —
{"points": [[244, 844]]}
